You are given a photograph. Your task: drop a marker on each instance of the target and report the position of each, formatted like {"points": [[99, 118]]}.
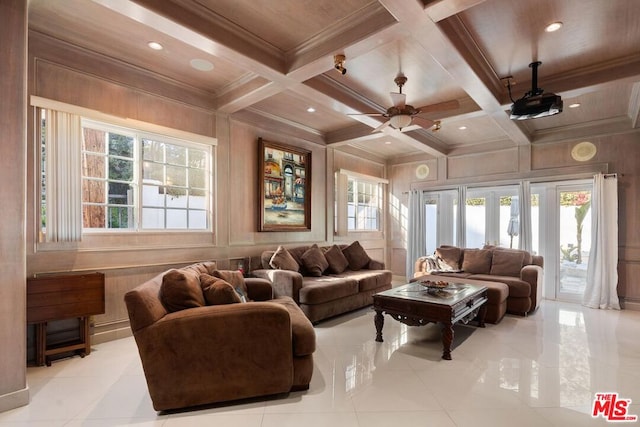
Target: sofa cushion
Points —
{"points": [[506, 263], [527, 258], [336, 259], [180, 290], [316, 290], [282, 260], [218, 291], [448, 258], [314, 261], [517, 288], [369, 280], [235, 279], [297, 252], [477, 261], [302, 333], [201, 267], [356, 255]]}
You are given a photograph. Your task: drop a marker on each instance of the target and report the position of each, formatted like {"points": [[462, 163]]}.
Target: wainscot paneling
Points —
{"points": [[474, 165]]}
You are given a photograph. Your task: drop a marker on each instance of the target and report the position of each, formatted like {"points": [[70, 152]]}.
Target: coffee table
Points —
{"points": [[415, 305]]}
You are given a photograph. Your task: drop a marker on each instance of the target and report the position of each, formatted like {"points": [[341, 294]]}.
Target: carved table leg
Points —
{"points": [[447, 340], [379, 322], [481, 314]]}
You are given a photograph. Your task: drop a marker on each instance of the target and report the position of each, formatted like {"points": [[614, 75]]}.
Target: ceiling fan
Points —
{"points": [[401, 114]]}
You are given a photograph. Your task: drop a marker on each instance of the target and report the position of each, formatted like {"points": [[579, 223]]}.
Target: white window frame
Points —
{"points": [[341, 218], [101, 238]]}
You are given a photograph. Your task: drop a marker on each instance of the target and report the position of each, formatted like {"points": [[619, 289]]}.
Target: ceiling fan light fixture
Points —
{"points": [[400, 121]]}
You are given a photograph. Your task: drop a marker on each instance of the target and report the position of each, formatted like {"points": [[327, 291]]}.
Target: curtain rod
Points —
{"points": [[611, 175]]}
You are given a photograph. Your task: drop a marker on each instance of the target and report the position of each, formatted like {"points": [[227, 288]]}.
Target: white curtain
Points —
{"points": [[63, 176], [524, 199], [602, 271], [416, 230], [461, 218]]}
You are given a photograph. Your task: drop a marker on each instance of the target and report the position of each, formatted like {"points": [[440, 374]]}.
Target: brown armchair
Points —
{"points": [[216, 353]]}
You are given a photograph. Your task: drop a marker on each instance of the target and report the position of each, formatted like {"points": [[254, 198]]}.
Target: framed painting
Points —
{"points": [[285, 187]]}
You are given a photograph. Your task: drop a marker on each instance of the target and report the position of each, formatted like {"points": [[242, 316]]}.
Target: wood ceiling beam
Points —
{"points": [[454, 50], [442, 9]]}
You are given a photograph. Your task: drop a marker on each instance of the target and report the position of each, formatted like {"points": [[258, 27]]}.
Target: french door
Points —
{"points": [[563, 225], [492, 217], [440, 216]]}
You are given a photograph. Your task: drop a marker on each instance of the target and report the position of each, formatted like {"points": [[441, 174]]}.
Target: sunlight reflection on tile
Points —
{"points": [[541, 370]]}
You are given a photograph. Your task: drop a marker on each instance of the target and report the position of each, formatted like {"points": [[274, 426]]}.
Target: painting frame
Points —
{"points": [[284, 175]]}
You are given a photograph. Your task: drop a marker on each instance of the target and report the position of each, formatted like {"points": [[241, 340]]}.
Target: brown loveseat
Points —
{"points": [[200, 344], [496, 267], [325, 281]]}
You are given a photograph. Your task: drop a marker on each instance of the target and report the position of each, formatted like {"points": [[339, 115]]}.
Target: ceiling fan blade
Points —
{"points": [[366, 114], [398, 99], [441, 106], [382, 126], [423, 122]]}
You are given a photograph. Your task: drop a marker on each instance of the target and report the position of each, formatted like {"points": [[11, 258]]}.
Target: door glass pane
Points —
{"points": [[575, 240], [431, 218], [535, 223], [509, 222], [476, 217]]}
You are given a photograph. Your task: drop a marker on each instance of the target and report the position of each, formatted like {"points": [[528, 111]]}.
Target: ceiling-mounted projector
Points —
{"points": [[535, 104]]}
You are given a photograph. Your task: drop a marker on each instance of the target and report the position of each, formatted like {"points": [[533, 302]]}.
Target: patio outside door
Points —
{"points": [[562, 222], [574, 243]]}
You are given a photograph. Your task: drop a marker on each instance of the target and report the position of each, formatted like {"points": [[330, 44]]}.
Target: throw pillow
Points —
{"points": [[336, 259], [180, 290], [356, 255], [282, 260], [448, 258], [477, 261], [235, 279], [314, 261], [507, 263], [217, 291]]}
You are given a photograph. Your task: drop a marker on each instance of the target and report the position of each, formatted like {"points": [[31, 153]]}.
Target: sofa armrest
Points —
{"points": [[533, 274], [375, 265], [259, 289], [218, 352], [285, 283]]}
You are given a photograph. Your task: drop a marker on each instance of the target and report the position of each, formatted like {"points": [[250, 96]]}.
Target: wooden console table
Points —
{"points": [[59, 297]]}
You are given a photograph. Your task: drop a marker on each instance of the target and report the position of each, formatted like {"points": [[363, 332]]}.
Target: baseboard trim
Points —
{"points": [[111, 335], [631, 305], [15, 399]]}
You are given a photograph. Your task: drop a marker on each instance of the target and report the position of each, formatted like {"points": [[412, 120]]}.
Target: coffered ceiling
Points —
{"points": [[273, 59]]}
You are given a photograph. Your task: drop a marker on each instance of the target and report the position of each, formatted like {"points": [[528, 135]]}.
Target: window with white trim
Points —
{"points": [[363, 205], [127, 180], [359, 202]]}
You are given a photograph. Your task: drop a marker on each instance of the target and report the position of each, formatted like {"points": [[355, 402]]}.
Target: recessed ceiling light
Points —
{"points": [[155, 45], [311, 110], [387, 142], [575, 105], [201, 64], [554, 26], [462, 127]]}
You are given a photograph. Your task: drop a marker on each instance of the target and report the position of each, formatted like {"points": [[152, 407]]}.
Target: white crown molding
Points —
{"points": [[590, 130]]}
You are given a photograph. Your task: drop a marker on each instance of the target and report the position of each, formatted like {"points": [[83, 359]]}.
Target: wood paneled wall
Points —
{"points": [[13, 69], [61, 72]]}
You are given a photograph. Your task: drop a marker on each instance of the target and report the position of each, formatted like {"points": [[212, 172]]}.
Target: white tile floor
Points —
{"points": [[542, 370]]}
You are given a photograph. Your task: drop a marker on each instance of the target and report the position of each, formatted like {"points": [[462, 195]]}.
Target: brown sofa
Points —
{"points": [[519, 270], [200, 344], [325, 281]]}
